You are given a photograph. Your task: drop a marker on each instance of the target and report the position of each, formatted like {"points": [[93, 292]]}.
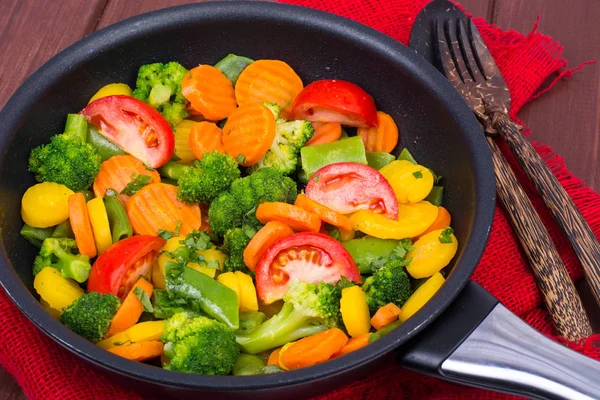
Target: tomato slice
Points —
{"points": [[133, 126], [331, 100], [307, 257], [348, 187], [119, 267]]}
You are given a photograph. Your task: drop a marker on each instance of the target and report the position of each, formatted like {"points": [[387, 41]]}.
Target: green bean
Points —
{"points": [[172, 170], [105, 148], [36, 236], [120, 227], [63, 230], [436, 195], [232, 66], [384, 331], [247, 364], [88, 194]]}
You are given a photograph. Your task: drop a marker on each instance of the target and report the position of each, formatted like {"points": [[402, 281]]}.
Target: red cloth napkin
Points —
{"points": [[46, 371]]}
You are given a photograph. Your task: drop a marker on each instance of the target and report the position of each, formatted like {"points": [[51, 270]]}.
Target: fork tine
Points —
{"points": [[471, 61], [450, 27], [445, 56], [483, 57]]}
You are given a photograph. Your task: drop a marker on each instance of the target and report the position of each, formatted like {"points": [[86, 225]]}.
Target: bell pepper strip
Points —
{"points": [[355, 311], [249, 301], [442, 221], [295, 217], [230, 280], [411, 183], [353, 344], [53, 312], [131, 309], [120, 227], [100, 224], [80, 224], [262, 240], [421, 296], [324, 213], [313, 349], [55, 290], [140, 351], [431, 253], [316, 157], [385, 316], [141, 332]]}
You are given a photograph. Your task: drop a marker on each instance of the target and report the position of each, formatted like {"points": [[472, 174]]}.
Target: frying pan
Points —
{"points": [[462, 334]]}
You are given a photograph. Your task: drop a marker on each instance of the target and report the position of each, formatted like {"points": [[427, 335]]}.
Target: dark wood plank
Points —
{"points": [[33, 31], [9, 390], [567, 118], [477, 8]]}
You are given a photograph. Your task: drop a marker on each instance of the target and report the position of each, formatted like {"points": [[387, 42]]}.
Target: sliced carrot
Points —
{"points": [[274, 357], [385, 316], [270, 81], [441, 222], [209, 92], [353, 344], [293, 216], [325, 213], [130, 310], [325, 132], [116, 172], [249, 132], [156, 206], [80, 224], [384, 137], [205, 137], [140, 351], [313, 349], [262, 240]]}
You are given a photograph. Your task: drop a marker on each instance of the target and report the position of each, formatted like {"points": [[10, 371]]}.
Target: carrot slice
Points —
{"points": [[140, 351], [80, 224], [325, 132], [293, 216], [209, 92], [385, 316], [325, 214], [249, 132], [205, 137], [270, 81], [441, 222], [130, 310], [116, 172], [262, 240], [156, 207], [274, 358], [353, 344], [313, 349], [384, 137]]}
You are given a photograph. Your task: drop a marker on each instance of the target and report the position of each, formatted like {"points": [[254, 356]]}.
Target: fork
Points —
{"points": [[469, 66]]}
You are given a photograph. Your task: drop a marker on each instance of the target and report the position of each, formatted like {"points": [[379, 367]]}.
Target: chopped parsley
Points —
{"points": [[137, 182], [445, 235]]}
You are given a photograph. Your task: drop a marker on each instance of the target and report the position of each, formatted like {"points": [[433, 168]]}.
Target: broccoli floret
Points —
{"points": [[160, 86], [90, 315], [308, 308], [234, 243], [296, 132], [208, 178], [389, 284], [199, 345], [274, 107], [62, 254], [66, 160], [236, 208]]}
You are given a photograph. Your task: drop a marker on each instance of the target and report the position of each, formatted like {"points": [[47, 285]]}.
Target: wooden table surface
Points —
{"points": [[567, 118]]}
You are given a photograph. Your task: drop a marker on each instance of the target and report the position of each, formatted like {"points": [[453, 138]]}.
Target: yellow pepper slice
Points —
{"points": [[430, 255], [417, 216], [355, 311], [100, 224], [45, 204], [112, 89], [55, 290], [150, 330], [247, 294], [411, 182], [421, 296], [182, 141], [55, 313], [231, 281]]}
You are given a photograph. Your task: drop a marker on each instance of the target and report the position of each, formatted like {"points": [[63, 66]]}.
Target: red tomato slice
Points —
{"points": [[307, 257], [134, 126], [119, 267], [348, 187], [335, 101]]}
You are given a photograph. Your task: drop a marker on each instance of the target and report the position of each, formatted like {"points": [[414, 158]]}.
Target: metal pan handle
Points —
{"points": [[478, 342]]}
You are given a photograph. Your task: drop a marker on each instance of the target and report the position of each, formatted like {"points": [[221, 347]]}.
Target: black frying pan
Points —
{"points": [[434, 122]]}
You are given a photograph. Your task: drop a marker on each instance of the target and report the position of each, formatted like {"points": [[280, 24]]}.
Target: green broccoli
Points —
{"points": [[388, 284], [199, 345], [66, 160], [90, 315], [236, 208], [159, 85], [62, 254], [308, 308], [208, 178], [234, 243]]}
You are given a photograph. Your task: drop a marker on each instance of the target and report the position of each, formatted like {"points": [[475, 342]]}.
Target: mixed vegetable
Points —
{"points": [[228, 220]]}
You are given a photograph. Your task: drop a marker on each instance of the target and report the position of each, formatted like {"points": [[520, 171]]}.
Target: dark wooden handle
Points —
{"points": [[564, 211], [560, 295]]}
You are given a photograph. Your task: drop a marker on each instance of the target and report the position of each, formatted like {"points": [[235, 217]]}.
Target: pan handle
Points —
{"points": [[478, 342]]}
